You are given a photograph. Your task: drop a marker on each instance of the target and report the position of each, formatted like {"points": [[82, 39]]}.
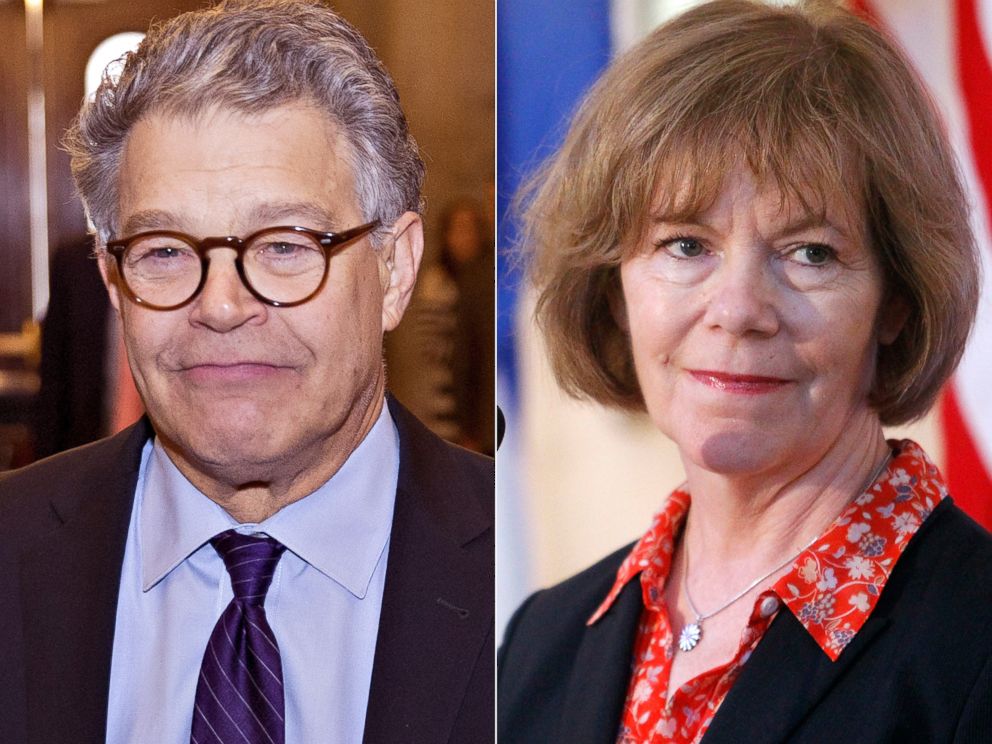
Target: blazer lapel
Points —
{"points": [[600, 676], [786, 676], [69, 582], [436, 623]]}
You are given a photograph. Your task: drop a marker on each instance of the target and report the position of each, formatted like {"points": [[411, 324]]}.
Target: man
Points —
{"points": [[278, 553]]}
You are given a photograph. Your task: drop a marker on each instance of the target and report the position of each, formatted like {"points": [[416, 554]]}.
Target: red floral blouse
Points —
{"points": [[832, 588]]}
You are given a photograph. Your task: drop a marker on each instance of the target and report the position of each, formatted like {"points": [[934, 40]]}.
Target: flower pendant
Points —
{"points": [[690, 636]]}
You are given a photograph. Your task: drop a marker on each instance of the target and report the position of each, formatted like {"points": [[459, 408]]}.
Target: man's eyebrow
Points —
{"points": [[269, 214], [151, 219], [263, 215]]}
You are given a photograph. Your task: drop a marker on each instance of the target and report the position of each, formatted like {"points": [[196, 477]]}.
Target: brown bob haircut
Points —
{"points": [[813, 101]]}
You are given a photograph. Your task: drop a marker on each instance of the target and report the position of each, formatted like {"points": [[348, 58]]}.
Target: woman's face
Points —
{"points": [[754, 328]]}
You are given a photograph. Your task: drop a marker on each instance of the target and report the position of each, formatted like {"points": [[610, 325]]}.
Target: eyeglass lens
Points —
{"points": [[281, 266]]}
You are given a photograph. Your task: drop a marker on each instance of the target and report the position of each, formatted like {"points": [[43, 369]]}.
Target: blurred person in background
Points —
{"points": [[467, 258], [755, 232], [86, 386], [451, 329]]}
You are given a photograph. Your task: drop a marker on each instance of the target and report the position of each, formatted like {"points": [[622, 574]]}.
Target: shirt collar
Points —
{"points": [[652, 555], [835, 583], [341, 529]]}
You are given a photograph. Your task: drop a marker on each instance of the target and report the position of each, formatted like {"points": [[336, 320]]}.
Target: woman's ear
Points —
{"points": [[892, 317], [618, 307]]}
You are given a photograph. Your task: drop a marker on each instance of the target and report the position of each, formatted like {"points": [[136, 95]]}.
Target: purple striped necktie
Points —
{"points": [[239, 695]]}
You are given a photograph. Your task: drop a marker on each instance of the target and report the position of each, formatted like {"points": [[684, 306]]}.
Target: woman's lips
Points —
{"points": [[740, 384]]}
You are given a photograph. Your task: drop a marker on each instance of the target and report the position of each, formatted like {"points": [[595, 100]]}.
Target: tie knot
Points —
{"points": [[251, 561]]}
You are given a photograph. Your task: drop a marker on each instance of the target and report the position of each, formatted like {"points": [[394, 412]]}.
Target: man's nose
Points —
{"points": [[743, 297], [225, 303]]}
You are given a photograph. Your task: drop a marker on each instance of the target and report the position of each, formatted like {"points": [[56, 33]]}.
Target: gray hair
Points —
{"points": [[251, 56]]}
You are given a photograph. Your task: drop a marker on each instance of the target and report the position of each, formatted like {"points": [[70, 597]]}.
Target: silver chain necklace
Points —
{"points": [[692, 633]]}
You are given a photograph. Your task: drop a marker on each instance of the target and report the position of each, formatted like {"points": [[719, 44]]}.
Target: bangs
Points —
{"points": [[809, 173], [786, 132]]}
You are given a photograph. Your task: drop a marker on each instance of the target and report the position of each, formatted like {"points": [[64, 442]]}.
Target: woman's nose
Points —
{"points": [[742, 297]]}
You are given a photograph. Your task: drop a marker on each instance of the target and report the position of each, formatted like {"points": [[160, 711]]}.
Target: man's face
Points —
{"points": [[238, 390]]}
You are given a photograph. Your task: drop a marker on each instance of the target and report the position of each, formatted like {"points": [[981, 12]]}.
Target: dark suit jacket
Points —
{"points": [[63, 525], [920, 670]]}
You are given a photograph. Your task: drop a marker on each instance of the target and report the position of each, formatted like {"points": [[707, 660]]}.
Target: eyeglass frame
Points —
{"points": [[331, 242]]}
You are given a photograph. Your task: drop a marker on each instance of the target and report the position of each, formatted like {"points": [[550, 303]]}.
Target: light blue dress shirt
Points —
{"points": [[323, 604]]}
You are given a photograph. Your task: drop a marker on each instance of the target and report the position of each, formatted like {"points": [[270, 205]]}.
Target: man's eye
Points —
{"points": [[167, 252], [159, 253], [813, 254], [682, 247], [284, 249]]}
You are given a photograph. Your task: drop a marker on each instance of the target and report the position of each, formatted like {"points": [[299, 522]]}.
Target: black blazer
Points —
{"points": [[63, 526], [920, 669]]}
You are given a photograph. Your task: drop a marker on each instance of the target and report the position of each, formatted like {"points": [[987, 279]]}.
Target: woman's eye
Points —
{"points": [[683, 247], [813, 254]]}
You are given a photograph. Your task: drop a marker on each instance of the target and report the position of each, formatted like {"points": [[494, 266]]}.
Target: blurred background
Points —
{"points": [[62, 380], [577, 481]]}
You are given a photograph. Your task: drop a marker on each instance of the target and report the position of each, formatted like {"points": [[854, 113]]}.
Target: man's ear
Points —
{"points": [[108, 272], [401, 261]]}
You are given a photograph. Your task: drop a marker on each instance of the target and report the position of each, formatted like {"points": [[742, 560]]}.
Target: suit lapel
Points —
{"points": [[600, 676], [788, 675], [437, 607], [785, 678], [69, 579]]}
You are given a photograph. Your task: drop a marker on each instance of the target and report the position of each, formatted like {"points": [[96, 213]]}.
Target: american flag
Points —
{"points": [[950, 43]]}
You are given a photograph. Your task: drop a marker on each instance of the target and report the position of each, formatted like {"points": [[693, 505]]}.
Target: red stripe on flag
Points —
{"points": [[863, 9], [966, 473], [975, 75], [966, 477]]}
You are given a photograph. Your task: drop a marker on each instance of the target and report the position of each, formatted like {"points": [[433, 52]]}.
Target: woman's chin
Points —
{"points": [[737, 452]]}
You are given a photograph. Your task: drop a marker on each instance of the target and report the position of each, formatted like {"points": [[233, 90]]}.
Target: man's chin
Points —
{"points": [[248, 452], [228, 421]]}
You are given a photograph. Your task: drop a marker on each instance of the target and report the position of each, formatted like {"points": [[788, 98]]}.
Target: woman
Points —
{"points": [[755, 232]]}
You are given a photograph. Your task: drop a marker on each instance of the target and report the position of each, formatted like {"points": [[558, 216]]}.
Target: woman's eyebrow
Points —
{"points": [[807, 222], [681, 220], [810, 222]]}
